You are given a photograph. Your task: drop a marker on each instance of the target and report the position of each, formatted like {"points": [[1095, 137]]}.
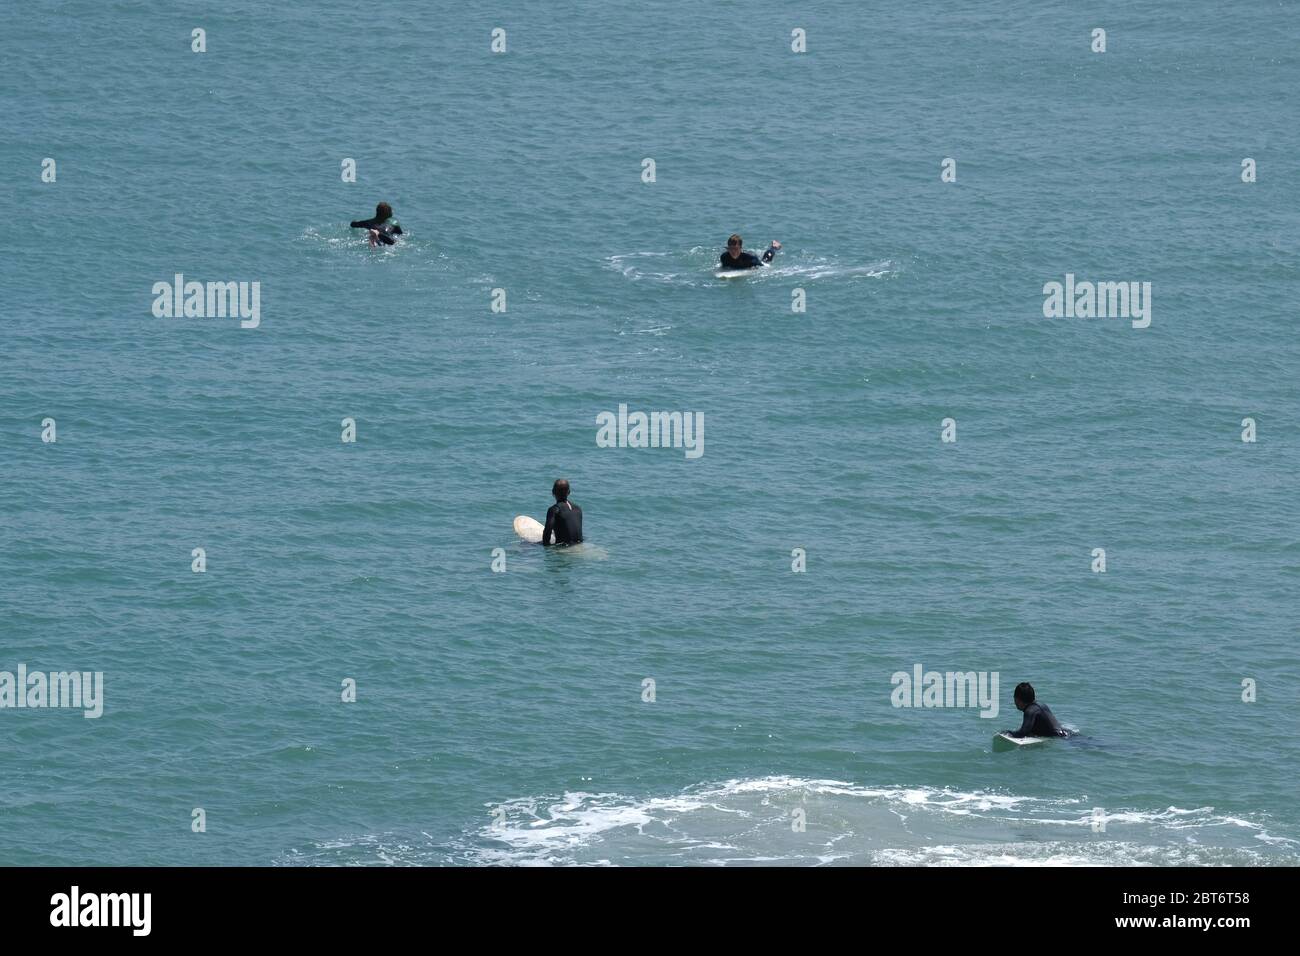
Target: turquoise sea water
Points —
{"points": [[500, 716]]}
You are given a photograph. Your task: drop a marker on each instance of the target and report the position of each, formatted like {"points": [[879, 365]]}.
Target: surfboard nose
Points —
{"points": [[530, 529]]}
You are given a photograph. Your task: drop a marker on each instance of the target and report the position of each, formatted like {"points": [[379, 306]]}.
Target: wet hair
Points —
{"points": [[383, 211], [560, 489], [736, 240], [1025, 692]]}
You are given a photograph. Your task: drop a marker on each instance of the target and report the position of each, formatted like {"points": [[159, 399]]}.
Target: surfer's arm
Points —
{"points": [[1026, 725], [770, 254], [375, 224], [548, 532]]}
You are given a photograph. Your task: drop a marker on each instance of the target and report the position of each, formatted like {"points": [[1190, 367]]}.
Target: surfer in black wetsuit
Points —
{"points": [[1039, 721], [736, 258], [564, 519], [381, 229]]}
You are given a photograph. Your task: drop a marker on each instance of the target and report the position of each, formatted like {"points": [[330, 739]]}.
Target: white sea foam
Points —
{"points": [[749, 821], [696, 267]]}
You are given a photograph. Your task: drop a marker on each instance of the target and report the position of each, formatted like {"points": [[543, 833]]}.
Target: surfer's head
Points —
{"points": [[735, 244], [560, 489], [1024, 695], [383, 211]]}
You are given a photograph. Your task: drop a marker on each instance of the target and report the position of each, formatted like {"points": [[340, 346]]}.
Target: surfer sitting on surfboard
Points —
{"points": [[1039, 721], [564, 520], [736, 258], [381, 229]]}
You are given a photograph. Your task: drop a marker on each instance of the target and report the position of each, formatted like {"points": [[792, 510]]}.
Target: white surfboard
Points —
{"points": [[1004, 741], [529, 529]]}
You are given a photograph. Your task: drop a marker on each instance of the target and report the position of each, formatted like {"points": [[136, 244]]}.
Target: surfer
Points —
{"points": [[1039, 721], [381, 229], [564, 519], [736, 258]]}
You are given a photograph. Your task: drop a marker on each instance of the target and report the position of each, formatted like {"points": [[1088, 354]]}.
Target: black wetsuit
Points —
{"points": [[384, 227], [746, 260], [1039, 722], [564, 521]]}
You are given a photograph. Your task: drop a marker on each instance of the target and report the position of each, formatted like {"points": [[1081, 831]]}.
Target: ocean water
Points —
{"points": [[500, 717]]}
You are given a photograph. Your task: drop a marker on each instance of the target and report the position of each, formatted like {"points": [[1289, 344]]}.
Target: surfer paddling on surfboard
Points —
{"points": [[736, 258], [564, 520], [1039, 721], [381, 228]]}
